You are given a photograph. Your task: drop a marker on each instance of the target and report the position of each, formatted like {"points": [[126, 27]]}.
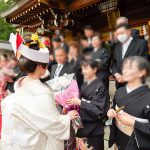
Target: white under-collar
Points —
{"points": [[96, 49], [128, 41], [130, 90]]}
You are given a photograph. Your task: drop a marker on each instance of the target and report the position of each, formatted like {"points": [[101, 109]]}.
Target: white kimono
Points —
{"points": [[30, 120]]}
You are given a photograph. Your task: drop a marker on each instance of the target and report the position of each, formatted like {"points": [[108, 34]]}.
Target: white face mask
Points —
{"points": [[122, 38]]}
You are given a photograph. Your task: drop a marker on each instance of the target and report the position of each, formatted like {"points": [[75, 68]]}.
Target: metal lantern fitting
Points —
{"points": [[111, 10]]}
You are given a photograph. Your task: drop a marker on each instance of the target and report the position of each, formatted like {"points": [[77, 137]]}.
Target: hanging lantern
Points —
{"points": [[108, 6], [111, 10]]}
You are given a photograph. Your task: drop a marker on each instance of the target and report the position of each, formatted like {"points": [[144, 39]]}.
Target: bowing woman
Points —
{"points": [[93, 106], [130, 129], [30, 118]]}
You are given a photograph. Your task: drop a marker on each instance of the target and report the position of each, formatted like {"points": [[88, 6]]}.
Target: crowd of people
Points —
{"points": [[30, 119]]}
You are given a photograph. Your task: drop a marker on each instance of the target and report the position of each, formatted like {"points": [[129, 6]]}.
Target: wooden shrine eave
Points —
{"points": [[14, 8], [26, 11], [79, 4], [22, 6]]}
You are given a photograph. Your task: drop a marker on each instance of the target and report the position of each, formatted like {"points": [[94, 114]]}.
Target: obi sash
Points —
{"points": [[127, 129]]}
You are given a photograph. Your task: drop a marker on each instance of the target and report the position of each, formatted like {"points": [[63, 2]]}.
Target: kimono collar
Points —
{"points": [[28, 84]]}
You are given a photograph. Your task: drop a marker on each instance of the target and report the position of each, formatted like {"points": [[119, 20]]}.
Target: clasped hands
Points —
{"points": [[123, 117]]}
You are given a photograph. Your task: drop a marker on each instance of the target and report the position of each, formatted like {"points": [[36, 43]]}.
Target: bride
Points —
{"points": [[30, 120]]}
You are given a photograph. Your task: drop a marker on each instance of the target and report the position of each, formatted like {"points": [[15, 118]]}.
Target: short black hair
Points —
{"points": [[29, 66], [92, 63], [123, 25], [84, 38], [56, 39], [62, 35], [88, 27], [97, 34]]}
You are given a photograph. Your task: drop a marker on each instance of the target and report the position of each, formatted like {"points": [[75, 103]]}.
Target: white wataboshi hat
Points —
{"points": [[41, 56]]}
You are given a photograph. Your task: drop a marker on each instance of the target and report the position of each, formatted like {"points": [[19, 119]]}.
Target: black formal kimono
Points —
{"points": [[94, 105], [87, 50], [104, 57], [137, 104]]}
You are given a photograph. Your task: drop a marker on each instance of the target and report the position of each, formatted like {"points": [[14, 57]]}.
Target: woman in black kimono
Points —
{"points": [[93, 103], [131, 126]]}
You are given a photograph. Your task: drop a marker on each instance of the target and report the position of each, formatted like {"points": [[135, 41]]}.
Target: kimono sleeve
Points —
{"points": [[94, 109], [42, 115], [142, 131]]}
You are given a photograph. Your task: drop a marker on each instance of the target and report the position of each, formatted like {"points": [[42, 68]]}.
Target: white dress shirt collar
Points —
{"points": [[58, 70], [89, 41], [125, 46], [96, 49]]}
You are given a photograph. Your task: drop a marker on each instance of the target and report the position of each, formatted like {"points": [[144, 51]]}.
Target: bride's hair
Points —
{"points": [[29, 66]]}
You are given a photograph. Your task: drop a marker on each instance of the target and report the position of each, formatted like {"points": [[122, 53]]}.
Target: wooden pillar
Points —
{"points": [[149, 35]]}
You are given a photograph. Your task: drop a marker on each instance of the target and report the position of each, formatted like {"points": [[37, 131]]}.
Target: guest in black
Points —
{"points": [[131, 126], [85, 46], [62, 66], [124, 20], [102, 55], [93, 103], [13, 64], [64, 45], [56, 43], [128, 46], [3, 60], [75, 58], [89, 32]]}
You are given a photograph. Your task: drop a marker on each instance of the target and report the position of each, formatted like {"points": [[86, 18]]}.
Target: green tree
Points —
{"points": [[5, 28]]}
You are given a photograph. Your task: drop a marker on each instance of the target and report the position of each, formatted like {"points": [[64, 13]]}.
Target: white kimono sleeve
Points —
{"points": [[40, 113]]}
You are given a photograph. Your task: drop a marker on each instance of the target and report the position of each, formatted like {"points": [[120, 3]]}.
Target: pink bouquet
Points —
{"points": [[65, 88], [70, 92]]}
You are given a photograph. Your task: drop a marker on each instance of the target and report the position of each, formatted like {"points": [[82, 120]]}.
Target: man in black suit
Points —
{"points": [[124, 20], [89, 32], [62, 66], [101, 54], [128, 46], [64, 45], [85, 46]]}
